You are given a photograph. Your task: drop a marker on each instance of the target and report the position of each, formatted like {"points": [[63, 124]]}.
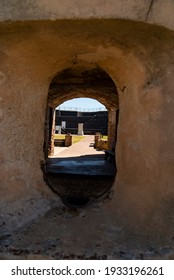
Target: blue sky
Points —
{"points": [[82, 103]]}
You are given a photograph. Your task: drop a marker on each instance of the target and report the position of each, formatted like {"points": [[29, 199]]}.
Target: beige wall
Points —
{"points": [[31, 55], [152, 11]]}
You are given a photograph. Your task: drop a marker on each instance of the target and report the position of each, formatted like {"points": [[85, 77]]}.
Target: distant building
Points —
{"points": [[92, 121]]}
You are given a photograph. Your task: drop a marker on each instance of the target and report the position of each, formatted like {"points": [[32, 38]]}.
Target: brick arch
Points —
{"points": [[82, 81]]}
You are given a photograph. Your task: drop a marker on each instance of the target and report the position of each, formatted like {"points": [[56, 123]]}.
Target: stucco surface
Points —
{"points": [[154, 11], [161, 12], [32, 54]]}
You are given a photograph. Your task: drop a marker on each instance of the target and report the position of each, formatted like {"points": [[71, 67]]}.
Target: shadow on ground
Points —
{"points": [[80, 179]]}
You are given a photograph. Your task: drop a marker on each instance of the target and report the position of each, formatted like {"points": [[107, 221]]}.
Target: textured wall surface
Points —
{"points": [[153, 11], [31, 54]]}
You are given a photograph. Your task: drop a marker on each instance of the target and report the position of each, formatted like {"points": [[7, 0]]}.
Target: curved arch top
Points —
{"points": [[83, 82]]}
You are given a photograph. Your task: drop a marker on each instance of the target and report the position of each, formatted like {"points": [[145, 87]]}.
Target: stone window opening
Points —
{"points": [[80, 189]]}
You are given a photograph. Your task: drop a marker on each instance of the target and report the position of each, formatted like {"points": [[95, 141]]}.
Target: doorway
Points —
{"points": [[81, 177]]}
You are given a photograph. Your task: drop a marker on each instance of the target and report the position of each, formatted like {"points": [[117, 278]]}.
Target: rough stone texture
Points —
{"points": [[31, 55], [154, 11], [161, 12]]}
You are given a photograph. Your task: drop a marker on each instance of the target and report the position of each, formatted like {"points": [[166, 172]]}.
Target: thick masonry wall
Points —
{"points": [[31, 54], [151, 11]]}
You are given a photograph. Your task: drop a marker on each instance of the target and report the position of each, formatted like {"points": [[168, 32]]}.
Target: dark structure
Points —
{"points": [[92, 121]]}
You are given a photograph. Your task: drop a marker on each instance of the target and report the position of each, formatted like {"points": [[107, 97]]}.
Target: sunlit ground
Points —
{"points": [[77, 138]]}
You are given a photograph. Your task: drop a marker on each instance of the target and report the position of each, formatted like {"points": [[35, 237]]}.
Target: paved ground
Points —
{"points": [[83, 147], [80, 171], [80, 159]]}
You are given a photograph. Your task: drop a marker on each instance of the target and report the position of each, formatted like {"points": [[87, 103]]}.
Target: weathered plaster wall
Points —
{"points": [[153, 11], [32, 53], [161, 12]]}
